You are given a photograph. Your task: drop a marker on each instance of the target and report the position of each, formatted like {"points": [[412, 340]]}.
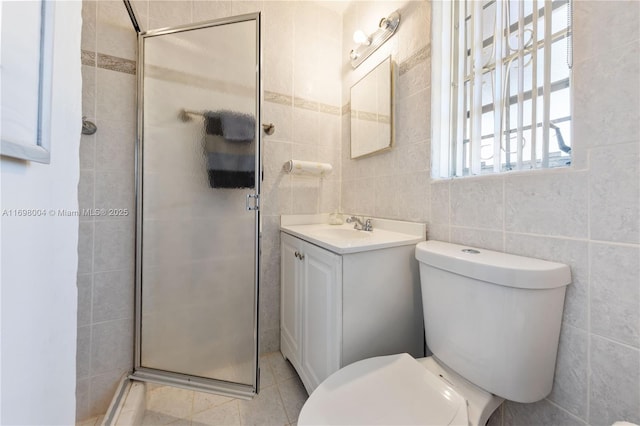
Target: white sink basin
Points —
{"points": [[343, 239], [346, 234]]}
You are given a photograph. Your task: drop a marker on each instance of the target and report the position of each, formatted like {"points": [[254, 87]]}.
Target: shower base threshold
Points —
{"points": [[128, 405]]}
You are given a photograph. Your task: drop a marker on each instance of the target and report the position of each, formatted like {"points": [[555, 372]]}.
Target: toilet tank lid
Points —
{"points": [[492, 266]]}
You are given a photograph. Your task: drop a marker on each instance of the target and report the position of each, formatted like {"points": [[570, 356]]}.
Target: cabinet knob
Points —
{"points": [[299, 255]]}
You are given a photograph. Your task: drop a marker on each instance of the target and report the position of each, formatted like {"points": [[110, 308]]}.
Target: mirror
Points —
{"points": [[372, 111]]}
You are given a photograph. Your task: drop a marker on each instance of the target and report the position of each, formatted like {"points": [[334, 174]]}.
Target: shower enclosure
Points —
{"points": [[198, 189]]}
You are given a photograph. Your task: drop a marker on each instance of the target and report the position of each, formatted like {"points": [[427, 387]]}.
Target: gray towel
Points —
{"points": [[234, 126], [231, 162]]}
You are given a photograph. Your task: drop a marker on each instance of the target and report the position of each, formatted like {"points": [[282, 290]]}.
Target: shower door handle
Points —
{"points": [[256, 204]]}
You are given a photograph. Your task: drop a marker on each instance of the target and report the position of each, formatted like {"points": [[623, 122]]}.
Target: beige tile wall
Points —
{"points": [[393, 184], [301, 63], [106, 244], [587, 216]]}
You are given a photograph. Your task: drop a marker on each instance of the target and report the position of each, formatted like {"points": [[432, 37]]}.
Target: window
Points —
{"points": [[26, 68], [501, 71]]}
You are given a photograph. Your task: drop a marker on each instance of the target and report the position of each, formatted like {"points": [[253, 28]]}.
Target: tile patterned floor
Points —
{"points": [[281, 397]]}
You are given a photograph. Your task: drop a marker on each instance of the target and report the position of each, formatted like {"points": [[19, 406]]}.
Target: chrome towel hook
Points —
{"points": [[269, 128], [88, 127]]}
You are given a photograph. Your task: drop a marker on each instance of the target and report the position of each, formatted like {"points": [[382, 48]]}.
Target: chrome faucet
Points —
{"points": [[357, 224]]}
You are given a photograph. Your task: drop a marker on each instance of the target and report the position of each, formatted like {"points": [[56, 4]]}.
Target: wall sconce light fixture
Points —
{"points": [[359, 37], [366, 45]]}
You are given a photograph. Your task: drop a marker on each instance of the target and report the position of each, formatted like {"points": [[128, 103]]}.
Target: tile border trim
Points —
{"points": [[302, 103], [115, 63], [88, 58], [277, 98], [128, 66], [107, 62], [421, 55]]}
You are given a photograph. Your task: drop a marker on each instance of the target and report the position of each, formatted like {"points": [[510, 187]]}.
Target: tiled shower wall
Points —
{"points": [[301, 49], [587, 216], [301, 82], [106, 243]]}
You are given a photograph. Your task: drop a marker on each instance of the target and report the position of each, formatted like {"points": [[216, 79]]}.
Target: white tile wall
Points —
{"points": [[114, 31], [392, 184], [547, 203], [477, 203], [587, 216], [571, 384], [615, 292], [105, 249], [615, 176], [302, 60], [539, 413], [606, 62], [615, 373]]}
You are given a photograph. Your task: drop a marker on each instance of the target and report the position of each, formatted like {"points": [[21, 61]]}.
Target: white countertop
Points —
{"points": [[343, 239]]}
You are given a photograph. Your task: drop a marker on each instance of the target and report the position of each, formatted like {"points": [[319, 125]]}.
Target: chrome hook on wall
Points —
{"points": [[88, 127], [269, 128]]}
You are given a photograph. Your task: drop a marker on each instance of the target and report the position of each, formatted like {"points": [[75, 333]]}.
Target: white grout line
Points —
{"points": [[614, 243], [581, 420], [555, 237], [239, 412], [449, 208], [282, 402], [504, 214], [616, 342], [589, 263]]}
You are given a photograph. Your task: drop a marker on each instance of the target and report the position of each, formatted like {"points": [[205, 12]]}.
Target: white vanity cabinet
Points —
{"points": [[338, 308], [311, 309]]}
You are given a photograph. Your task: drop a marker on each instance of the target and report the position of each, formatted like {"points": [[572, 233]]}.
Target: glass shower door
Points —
{"points": [[198, 186]]}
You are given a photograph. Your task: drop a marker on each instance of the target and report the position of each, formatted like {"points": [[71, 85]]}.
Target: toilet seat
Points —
{"points": [[386, 390]]}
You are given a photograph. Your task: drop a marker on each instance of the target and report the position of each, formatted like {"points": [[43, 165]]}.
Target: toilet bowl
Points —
{"points": [[397, 389], [492, 321]]}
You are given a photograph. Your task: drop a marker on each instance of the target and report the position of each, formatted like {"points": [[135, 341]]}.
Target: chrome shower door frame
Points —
{"points": [[237, 390]]}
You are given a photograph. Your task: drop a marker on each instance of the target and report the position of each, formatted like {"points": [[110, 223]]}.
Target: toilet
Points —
{"points": [[492, 321]]}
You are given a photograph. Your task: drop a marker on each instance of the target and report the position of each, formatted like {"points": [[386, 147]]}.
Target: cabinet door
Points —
{"points": [[321, 315], [290, 277]]}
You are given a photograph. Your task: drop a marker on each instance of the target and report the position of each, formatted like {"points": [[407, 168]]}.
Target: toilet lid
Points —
{"points": [[386, 390]]}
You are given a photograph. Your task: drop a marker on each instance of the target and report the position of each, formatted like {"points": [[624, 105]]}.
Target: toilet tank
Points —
{"points": [[493, 317]]}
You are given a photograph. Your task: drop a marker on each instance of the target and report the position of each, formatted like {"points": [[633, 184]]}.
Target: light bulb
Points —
{"points": [[361, 38]]}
